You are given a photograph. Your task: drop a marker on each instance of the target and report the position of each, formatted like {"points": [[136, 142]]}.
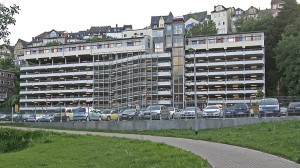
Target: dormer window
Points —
{"points": [[53, 34]]}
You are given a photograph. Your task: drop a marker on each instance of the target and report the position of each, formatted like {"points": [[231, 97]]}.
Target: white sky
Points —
{"points": [[37, 16]]}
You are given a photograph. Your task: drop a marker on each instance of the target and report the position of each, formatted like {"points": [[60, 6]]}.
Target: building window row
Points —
{"points": [[225, 39], [81, 47]]}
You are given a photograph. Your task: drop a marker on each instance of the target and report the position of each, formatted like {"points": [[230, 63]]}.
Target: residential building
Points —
{"points": [[194, 18], [19, 52], [159, 21], [7, 84], [143, 70], [252, 13], [239, 13], [222, 18], [276, 6]]}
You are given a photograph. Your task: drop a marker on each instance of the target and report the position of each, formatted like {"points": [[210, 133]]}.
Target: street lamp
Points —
{"points": [[195, 90]]}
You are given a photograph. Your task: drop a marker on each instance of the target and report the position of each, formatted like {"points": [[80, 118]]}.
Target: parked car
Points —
{"points": [[95, 115], [294, 108], [3, 117], [141, 113], [241, 109], [82, 113], [269, 107], [172, 112], [213, 111], [228, 112], [189, 112], [109, 114], [158, 112], [63, 114], [47, 118], [129, 114], [283, 111], [21, 117], [34, 118], [177, 114]]}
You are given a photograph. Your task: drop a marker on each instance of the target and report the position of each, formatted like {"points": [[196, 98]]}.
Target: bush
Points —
{"points": [[15, 140]]}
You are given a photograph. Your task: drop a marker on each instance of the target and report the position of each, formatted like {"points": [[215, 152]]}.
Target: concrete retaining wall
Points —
{"points": [[161, 124]]}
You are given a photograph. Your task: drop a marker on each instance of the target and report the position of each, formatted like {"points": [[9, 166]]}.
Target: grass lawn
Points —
{"points": [[46, 149], [278, 138]]}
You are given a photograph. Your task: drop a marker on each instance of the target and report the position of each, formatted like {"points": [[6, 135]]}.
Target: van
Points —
{"points": [[63, 114], [83, 113], [269, 107]]}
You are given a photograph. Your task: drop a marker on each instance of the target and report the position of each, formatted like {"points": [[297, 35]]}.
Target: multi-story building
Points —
{"points": [[276, 6], [145, 70], [222, 18], [7, 84]]}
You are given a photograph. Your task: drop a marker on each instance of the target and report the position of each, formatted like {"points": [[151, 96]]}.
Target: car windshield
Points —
{"points": [[240, 105], [79, 110], [212, 107], [106, 112], [153, 108], [170, 108], [296, 104], [129, 111], [268, 102], [189, 109]]}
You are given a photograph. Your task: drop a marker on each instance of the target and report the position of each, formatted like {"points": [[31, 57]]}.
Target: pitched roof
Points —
{"points": [[199, 16], [155, 19], [23, 42]]}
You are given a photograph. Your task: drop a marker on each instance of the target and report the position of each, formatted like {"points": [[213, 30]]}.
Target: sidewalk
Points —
{"points": [[218, 155]]}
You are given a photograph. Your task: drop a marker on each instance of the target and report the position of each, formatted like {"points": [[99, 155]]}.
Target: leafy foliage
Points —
{"points": [[205, 28], [103, 38], [53, 43], [7, 18]]}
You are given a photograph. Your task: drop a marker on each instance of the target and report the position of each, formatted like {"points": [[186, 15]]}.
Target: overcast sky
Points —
{"points": [[37, 16]]}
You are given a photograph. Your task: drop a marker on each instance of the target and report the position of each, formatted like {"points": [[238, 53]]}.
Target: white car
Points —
{"points": [[213, 111]]}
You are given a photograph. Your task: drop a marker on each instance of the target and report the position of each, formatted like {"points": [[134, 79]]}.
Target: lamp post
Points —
{"points": [[195, 90]]}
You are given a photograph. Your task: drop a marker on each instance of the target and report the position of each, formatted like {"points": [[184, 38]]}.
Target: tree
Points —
{"points": [[288, 59], [205, 28], [7, 18]]}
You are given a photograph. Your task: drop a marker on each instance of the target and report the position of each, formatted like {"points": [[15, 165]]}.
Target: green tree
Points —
{"points": [[205, 28], [288, 59], [7, 18]]}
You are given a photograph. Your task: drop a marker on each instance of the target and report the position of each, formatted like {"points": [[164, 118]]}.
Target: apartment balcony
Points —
{"points": [[164, 102], [56, 74], [166, 92], [167, 83], [163, 74], [56, 99], [52, 82], [55, 91], [56, 66]]}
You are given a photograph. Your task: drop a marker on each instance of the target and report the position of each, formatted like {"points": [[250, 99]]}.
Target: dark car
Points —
{"points": [[129, 114], [294, 109], [228, 112], [269, 107], [241, 109]]}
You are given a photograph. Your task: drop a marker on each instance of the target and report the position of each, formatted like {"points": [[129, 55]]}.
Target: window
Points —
{"points": [[178, 41], [161, 25], [159, 47], [194, 42], [141, 34], [73, 48], [119, 44], [125, 35], [223, 23], [106, 45], [169, 42], [177, 28], [168, 30], [129, 43], [157, 33], [219, 23], [99, 46]]}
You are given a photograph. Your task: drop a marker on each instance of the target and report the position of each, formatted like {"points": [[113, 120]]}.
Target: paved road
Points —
{"points": [[218, 155]]}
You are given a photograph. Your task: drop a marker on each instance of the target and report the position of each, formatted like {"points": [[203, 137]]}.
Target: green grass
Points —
{"points": [[48, 149], [278, 138]]}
